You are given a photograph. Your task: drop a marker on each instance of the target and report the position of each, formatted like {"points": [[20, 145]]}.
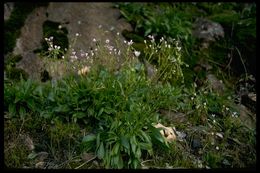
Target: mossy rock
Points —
{"points": [[16, 21], [16, 74], [12, 59]]}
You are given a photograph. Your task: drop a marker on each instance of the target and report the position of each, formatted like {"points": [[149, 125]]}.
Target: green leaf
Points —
{"points": [[146, 136], [100, 112], [133, 144], [45, 114], [135, 163], [115, 160], [51, 97], [31, 104], [157, 135], [22, 112], [125, 142], [138, 152], [98, 139], [79, 115], [32, 155], [62, 108], [89, 138], [115, 149], [12, 109], [17, 99], [39, 90], [101, 151], [120, 162], [148, 31], [145, 146]]}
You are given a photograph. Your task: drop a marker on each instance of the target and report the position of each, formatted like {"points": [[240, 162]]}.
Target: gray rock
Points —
{"points": [[82, 18], [196, 144], [8, 8], [215, 84], [207, 30], [175, 117]]}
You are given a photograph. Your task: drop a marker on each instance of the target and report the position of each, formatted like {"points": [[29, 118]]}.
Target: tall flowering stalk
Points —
{"points": [[167, 56]]}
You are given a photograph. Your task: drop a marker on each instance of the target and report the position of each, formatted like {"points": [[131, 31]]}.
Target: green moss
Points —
{"points": [[11, 60], [15, 23], [16, 73]]}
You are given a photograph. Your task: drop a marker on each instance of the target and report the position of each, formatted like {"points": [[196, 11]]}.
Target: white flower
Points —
{"points": [[110, 47], [62, 57], [130, 42], [137, 53], [99, 26], [192, 98], [51, 38], [214, 121], [95, 49], [94, 40], [77, 34], [60, 27], [79, 22], [119, 52], [213, 115], [179, 48], [161, 39], [82, 54], [144, 41], [107, 41], [125, 41], [217, 148], [117, 33], [151, 37]]}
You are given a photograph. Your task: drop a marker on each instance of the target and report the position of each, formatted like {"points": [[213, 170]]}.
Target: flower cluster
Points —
{"points": [[54, 51], [168, 57], [227, 111]]}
